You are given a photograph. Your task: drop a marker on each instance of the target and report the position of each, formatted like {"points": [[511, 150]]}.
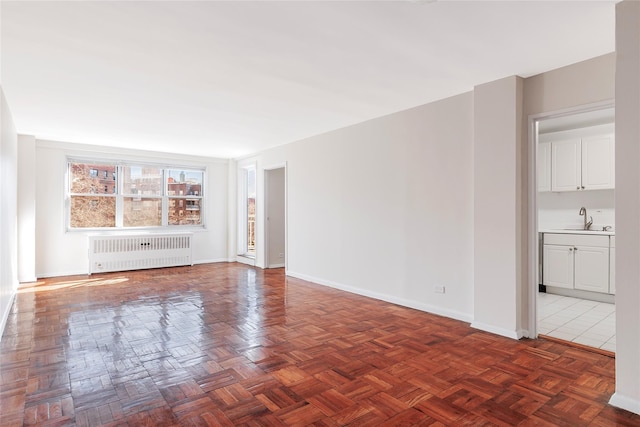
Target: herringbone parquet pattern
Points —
{"points": [[229, 345]]}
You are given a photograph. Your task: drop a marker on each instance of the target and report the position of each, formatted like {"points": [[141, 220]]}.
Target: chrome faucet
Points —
{"points": [[587, 225]]}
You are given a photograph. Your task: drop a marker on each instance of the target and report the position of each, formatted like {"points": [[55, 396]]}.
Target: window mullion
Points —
{"points": [[119, 198], [165, 199]]}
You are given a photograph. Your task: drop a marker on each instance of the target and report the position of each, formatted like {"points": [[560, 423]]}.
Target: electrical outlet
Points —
{"points": [[439, 289]]}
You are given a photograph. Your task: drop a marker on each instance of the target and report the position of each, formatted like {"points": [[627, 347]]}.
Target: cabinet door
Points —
{"points": [[612, 271], [566, 165], [598, 162], [591, 268], [544, 166], [557, 267]]}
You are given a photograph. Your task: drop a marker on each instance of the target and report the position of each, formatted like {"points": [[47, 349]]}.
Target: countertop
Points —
{"points": [[587, 232]]}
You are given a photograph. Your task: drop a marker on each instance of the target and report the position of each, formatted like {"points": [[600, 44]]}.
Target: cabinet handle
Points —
{"points": [[583, 187], [575, 249], [577, 188], [570, 249]]}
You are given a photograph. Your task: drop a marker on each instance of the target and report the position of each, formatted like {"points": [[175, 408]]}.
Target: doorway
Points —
{"points": [[275, 217], [575, 224]]}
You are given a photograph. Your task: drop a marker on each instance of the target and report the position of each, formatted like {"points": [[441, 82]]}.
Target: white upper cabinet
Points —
{"points": [[566, 165], [598, 162], [544, 166], [581, 159]]}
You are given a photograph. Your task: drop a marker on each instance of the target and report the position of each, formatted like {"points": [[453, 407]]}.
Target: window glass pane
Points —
{"points": [[142, 180], [184, 183], [251, 211], [184, 211], [92, 179], [142, 212], [93, 211]]}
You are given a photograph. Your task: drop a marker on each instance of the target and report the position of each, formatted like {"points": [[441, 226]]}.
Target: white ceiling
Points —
{"points": [[226, 79]]}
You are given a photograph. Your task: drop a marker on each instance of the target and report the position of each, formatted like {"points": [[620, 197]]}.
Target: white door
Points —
{"points": [[557, 266], [565, 165], [544, 166], [591, 268], [275, 217], [598, 159]]}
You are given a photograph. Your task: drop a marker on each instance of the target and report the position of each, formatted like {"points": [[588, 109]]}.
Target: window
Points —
{"points": [[90, 201], [127, 195], [247, 211], [185, 187], [142, 196]]}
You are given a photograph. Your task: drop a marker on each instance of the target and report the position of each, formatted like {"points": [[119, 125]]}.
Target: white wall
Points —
{"points": [[560, 209], [627, 393], [578, 84], [61, 252], [385, 208], [26, 208], [8, 211], [498, 207]]}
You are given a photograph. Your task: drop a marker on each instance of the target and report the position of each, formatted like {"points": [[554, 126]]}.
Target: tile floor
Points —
{"points": [[584, 322]]}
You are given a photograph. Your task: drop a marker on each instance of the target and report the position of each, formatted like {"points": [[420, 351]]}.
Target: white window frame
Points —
{"points": [[119, 196], [243, 213]]}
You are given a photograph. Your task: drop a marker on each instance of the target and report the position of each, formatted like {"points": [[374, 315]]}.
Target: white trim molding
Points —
{"points": [[625, 402], [428, 308], [532, 197], [246, 260], [280, 265], [5, 318], [516, 335], [213, 261]]}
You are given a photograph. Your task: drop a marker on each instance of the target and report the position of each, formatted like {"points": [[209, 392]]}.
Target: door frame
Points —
{"points": [[532, 228], [265, 227]]}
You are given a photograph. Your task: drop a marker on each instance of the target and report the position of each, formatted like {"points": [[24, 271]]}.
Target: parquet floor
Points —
{"points": [[229, 345]]}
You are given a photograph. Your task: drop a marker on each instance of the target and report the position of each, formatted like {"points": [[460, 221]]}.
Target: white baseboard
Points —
{"points": [[5, 315], [516, 335], [213, 261], [64, 273], [84, 272], [576, 293], [453, 314], [246, 260], [276, 265], [625, 402]]}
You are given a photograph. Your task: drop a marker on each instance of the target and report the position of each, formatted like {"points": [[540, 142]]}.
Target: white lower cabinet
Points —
{"points": [[591, 269], [576, 261], [557, 266]]}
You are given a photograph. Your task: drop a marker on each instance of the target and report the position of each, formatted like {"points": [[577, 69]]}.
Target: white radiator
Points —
{"points": [[135, 252]]}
